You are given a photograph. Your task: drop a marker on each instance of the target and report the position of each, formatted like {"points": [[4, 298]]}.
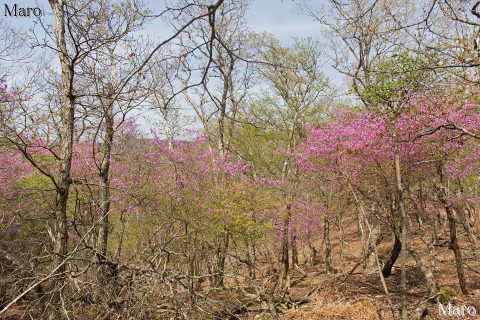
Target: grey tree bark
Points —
{"points": [[64, 180]]}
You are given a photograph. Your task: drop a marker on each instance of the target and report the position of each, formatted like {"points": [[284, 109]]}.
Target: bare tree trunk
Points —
{"points": [[220, 261], [428, 269], [467, 226], [253, 259], [61, 232], [227, 80], [195, 264], [250, 253], [373, 244], [428, 272], [286, 174], [66, 139], [370, 261], [403, 220], [285, 260], [453, 230], [397, 247], [328, 246], [313, 259], [363, 226], [438, 227], [102, 246], [471, 214], [293, 241], [341, 240], [456, 249]]}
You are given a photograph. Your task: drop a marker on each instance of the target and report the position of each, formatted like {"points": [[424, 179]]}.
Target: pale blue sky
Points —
{"points": [[282, 19], [279, 17]]}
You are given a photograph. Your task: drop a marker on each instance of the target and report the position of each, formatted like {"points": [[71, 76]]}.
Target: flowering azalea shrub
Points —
{"points": [[355, 141], [214, 193]]}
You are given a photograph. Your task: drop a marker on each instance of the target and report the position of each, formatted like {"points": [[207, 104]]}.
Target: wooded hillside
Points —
{"points": [[216, 172]]}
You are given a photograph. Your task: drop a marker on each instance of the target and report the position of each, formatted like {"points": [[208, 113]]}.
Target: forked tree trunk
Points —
{"points": [[63, 180], [66, 140]]}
